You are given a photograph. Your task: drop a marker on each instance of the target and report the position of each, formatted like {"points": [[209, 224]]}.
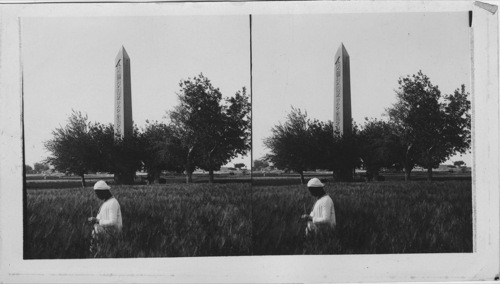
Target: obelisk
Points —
{"points": [[342, 118], [123, 96], [125, 172], [342, 100]]}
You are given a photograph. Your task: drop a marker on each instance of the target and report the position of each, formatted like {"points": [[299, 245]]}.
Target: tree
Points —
{"points": [[289, 142], [431, 127], [28, 169], [378, 146], [159, 150], [72, 148], [40, 167], [102, 136], [230, 136], [239, 166], [212, 131], [259, 165], [333, 151], [122, 157], [322, 145], [459, 164], [126, 158]]}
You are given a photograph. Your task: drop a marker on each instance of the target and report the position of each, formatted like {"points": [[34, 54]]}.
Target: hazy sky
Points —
{"points": [[69, 64], [293, 62]]}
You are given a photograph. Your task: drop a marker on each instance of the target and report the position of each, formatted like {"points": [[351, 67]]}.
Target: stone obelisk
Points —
{"points": [[123, 115], [123, 96], [342, 100], [342, 117]]}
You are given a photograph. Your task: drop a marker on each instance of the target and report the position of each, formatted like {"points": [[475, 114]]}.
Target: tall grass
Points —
{"points": [[388, 217], [175, 220], [162, 220]]}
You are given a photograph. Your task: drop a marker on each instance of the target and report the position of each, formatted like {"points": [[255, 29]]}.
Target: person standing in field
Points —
{"points": [[322, 217], [108, 222]]}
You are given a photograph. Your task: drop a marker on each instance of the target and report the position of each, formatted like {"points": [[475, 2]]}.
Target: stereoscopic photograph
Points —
{"points": [[361, 130], [261, 142], [137, 136]]}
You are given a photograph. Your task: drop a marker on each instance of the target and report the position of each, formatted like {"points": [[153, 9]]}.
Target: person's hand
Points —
{"points": [[93, 220], [305, 217]]}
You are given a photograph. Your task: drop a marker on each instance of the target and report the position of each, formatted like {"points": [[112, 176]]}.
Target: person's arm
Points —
{"points": [[112, 213]]}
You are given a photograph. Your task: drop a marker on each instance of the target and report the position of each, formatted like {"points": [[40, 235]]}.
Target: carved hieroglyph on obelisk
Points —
{"points": [[342, 118], [123, 96]]}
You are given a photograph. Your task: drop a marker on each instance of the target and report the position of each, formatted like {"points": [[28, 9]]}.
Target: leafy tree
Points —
{"points": [[28, 169], [187, 146], [102, 136], [378, 146], [212, 131], [159, 150], [457, 123], [331, 150], [459, 163], [126, 158], [345, 156], [431, 127], [121, 157], [40, 167], [72, 148], [239, 165], [289, 142], [322, 145], [300, 144], [259, 165]]}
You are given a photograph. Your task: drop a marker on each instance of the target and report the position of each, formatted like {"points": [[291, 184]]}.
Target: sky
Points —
{"points": [[293, 62], [68, 64]]}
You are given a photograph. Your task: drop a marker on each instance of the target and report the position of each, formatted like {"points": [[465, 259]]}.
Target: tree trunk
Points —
{"points": [[189, 177], [187, 166], [153, 177], [429, 173], [407, 173], [210, 176], [156, 176], [83, 180], [302, 180]]}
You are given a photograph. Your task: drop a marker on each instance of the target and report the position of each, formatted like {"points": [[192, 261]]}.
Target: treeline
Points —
{"points": [[203, 131], [424, 128], [37, 168]]}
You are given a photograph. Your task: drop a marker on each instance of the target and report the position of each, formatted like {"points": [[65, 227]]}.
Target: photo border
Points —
{"points": [[482, 264]]}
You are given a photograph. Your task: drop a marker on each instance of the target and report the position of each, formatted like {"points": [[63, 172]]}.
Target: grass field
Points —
{"points": [[201, 219], [384, 217], [158, 221]]}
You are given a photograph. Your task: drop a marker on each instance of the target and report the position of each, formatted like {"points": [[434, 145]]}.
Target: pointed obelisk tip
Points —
{"points": [[125, 54], [122, 53], [342, 49]]}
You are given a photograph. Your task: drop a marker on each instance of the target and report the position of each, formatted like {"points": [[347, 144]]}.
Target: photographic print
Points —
{"points": [[263, 142], [137, 136], [362, 133]]}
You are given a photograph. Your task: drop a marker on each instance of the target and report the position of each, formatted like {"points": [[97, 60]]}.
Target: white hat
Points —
{"points": [[101, 185], [315, 182]]}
